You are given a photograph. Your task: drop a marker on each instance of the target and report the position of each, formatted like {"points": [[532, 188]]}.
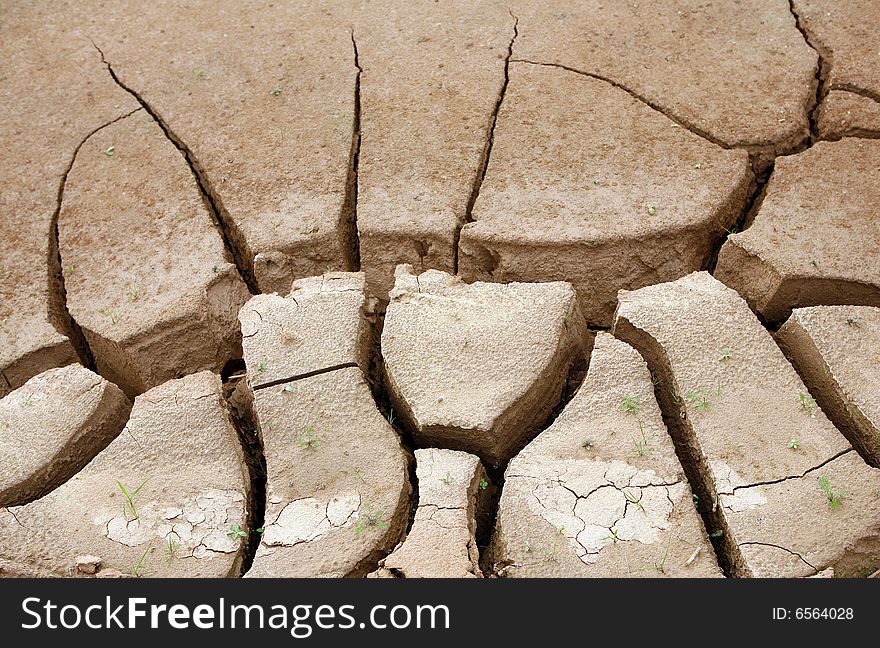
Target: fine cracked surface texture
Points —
{"points": [[158, 501], [331, 248], [778, 474], [601, 492]]}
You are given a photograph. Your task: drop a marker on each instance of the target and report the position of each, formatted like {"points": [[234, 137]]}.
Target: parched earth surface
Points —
{"points": [[440, 289]]}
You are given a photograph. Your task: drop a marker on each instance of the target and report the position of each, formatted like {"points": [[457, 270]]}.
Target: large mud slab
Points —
{"points": [[812, 236], [42, 125], [835, 349], [147, 275], [167, 498], [768, 466], [600, 493], [589, 185], [478, 367], [52, 426]]}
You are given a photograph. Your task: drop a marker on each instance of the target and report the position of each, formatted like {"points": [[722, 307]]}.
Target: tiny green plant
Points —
{"points": [[551, 554], [262, 366], [630, 403], [276, 91], [447, 479], [699, 397], [833, 495], [109, 151], [613, 537], [569, 311], [29, 401], [215, 269], [814, 263], [632, 499], [359, 474], [288, 388], [732, 230], [725, 354], [651, 209], [484, 484], [133, 294], [808, 404], [128, 506], [369, 519], [698, 165], [640, 444], [200, 72], [717, 534], [137, 568], [236, 532], [587, 444], [391, 417], [853, 321], [696, 501], [308, 439], [794, 444], [171, 547], [719, 389]]}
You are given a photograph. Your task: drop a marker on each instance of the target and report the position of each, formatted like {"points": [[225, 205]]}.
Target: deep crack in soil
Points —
{"points": [[233, 239]]}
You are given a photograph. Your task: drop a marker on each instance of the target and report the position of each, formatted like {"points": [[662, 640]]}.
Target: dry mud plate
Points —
{"points": [[420, 289]]}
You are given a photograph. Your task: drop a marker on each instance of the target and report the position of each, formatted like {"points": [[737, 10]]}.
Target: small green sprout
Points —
{"points": [[276, 91], [717, 534], [29, 401], [236, 533], [262, 366], [128, 506], [651, 209], [630, 403], [640, 446], [138, 566], [288, 389], [484, 484], [700, 398], [632, 499], [808, 404], [725, 354], [613, 537], [133, 294], [109, 151], [447, 479], [696, 501], [698, 165], [834, 495], [171, 547], [391, 417], [550, 556], [853, 321], [587, 444], [200, 72], [308, 439], [369, 520], [794, 444]]}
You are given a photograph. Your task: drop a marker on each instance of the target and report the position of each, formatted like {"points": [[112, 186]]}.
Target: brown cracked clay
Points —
{"points": [[319, 325], [179, 461], [757, 446], [835, 350], [813, 238], [441, 543], [337, 486], [587, 184], [478, 367], [42, 125], [52, 426], [146, 272], [600, 493]]}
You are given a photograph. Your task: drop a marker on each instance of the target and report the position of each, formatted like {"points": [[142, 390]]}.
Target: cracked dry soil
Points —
{"points": [[460, 289]]}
